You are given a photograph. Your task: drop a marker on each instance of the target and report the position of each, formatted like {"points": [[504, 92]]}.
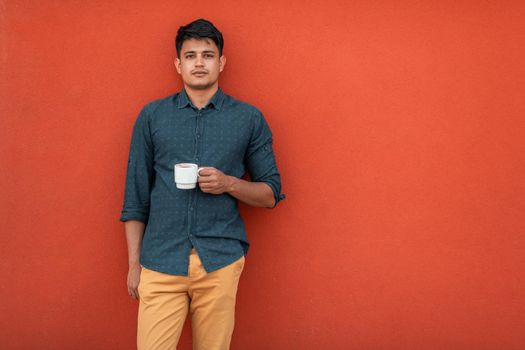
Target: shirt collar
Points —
{"points": [[216, 101]]}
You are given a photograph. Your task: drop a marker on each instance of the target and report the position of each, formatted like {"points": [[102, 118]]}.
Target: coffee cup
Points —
{"points": [[186, 175]]}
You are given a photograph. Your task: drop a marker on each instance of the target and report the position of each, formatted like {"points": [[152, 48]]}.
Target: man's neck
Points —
{"points": [[200, 98]]}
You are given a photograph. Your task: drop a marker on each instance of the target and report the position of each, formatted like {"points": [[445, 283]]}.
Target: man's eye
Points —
{"points": [[189, 56], [208, 55]]}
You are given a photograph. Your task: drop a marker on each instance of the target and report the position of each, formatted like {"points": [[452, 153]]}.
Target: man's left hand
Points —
{"points": [[214, 181]]}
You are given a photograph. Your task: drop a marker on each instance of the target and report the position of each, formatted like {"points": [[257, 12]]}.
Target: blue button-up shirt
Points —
{"points": [[227, 134]]}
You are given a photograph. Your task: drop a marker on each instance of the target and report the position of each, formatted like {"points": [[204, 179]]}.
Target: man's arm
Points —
{"points": [[135, 212], [256, 194], [134, 233]]}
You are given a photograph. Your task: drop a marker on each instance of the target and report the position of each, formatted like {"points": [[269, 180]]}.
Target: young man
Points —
{"points": [[192, 243]]}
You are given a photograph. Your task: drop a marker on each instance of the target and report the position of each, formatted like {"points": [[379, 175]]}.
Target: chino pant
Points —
{"points": [[166, 299]]}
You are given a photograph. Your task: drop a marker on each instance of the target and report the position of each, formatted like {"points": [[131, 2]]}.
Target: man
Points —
{"points": [[192, 243]]}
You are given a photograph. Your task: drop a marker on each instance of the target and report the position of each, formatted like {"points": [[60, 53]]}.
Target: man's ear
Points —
{"points": [[222, 63], [177, 65]]}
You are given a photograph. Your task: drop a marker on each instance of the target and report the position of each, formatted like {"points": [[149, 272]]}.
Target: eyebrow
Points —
{"points": [[204, 51]]}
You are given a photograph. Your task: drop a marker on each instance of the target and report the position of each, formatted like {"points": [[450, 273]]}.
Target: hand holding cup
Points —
{"points": [[214, 181]]}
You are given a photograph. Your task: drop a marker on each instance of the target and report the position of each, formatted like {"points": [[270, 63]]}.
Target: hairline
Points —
{"points": [[208, 40]]}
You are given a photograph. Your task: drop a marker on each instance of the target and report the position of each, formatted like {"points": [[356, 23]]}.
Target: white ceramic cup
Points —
{"points": [[186, 175]]}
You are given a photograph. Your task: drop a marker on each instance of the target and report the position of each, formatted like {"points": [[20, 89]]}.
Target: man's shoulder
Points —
{"points": [[163, 102], [233, 103]]}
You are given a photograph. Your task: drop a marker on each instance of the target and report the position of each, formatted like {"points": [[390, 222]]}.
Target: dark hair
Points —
{"points": [[199, 29]]}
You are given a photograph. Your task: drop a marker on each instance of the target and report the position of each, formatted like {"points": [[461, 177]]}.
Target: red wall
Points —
{"points": [[398, 128]]}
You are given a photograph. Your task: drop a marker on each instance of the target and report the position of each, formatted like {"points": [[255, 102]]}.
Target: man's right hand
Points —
{"points": [[134, 280]]}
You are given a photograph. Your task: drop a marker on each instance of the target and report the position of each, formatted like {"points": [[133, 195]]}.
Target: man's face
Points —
{"points": [[199, 64]]}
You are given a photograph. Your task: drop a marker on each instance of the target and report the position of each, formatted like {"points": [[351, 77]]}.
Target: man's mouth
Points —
{"points": [[199, 73]]}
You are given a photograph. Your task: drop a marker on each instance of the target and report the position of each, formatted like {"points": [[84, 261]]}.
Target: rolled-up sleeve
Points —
{"points": [[260, 158], [140, 172]]}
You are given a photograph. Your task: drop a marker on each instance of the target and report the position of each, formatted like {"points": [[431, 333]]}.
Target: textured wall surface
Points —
{"points": [[398, 129]]}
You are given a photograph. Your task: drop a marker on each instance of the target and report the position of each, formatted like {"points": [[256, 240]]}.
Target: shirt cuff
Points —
{"points": [[278, 199], [139, 215]]}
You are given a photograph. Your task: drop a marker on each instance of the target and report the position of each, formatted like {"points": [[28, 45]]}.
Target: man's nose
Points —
{"points": [[199, 61]]}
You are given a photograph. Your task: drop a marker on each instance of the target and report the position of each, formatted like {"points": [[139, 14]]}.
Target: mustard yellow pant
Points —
{"points": [[166, 299]]}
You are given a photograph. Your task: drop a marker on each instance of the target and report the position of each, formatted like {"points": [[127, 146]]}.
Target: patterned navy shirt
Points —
{"points": [[227, 134]]}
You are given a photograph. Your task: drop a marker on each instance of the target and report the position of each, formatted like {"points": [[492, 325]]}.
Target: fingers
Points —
{"points": [[211, 177], [207, 171], [212, 186], [209, 184], [133, 292], [133, 281], [211, 180], [206, 179]]}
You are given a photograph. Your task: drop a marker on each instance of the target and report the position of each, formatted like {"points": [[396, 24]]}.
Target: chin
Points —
{"points": [[200, 86]]}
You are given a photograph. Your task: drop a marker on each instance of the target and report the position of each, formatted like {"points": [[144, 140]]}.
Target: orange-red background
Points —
{"points": [[399, 132]]}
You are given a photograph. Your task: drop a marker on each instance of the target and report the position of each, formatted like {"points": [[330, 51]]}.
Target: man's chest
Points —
{"points": [[219, 136]]}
